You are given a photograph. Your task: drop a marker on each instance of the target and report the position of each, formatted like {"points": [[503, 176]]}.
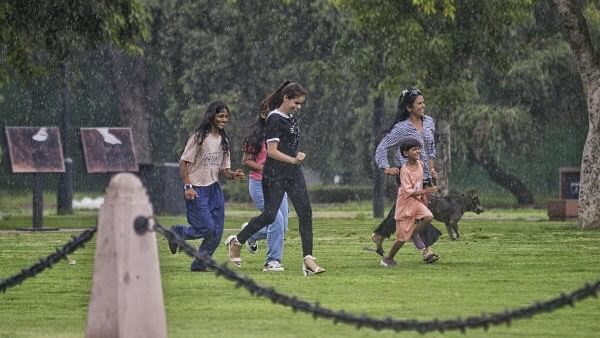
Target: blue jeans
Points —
{"points": [[206, 216], [275, 231]]}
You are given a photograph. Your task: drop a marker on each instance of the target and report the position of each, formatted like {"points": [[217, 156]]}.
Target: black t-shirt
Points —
{"points": [[283, 129]]}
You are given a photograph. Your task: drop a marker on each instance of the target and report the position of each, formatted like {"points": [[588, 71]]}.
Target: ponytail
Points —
{"points": [[288, 88]]}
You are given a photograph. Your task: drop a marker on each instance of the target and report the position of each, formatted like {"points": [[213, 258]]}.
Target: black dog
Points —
{"points": [[449, 209]]}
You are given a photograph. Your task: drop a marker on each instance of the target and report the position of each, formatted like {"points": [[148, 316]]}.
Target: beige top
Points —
{"points": [[205, 162]]}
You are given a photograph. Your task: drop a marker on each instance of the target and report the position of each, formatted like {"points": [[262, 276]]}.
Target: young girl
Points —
{"points": [[255, 155], [206, 154], [282, 173], [411, 204]]}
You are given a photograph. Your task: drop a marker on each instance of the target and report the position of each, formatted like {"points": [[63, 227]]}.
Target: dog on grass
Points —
{"points": [[450, 209]]}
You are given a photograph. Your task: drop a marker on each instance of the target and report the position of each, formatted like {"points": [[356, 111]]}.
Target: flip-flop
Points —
{"points": [[379, 251]]}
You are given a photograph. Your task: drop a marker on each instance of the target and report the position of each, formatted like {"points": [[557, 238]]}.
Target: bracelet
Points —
{"points": [[188, 186]]}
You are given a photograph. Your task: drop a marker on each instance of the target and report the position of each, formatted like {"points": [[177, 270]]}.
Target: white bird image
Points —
{"points": [[41, 135], [108, 137]]}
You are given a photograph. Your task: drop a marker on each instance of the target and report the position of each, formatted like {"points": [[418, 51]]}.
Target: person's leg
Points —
{"points": [[277, 230], [197, 215], [205, 202], [296, 189], [388, 261], [256, 193], [422, 224], [275, 239], [386, 228], [298, 194], [273, 193], [272, 232]]}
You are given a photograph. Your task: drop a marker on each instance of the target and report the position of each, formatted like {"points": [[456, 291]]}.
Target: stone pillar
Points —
{"points": [[126, 298]]}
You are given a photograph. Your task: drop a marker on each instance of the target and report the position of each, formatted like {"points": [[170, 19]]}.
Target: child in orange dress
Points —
{"points": [[411, 204]]}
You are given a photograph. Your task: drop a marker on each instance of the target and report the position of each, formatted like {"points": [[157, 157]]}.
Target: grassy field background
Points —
{"points": [[506, 259]]}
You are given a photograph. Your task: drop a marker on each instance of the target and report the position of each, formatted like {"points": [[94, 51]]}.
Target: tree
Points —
{"points": [[586, 58], [36, 35], [425, 43]]}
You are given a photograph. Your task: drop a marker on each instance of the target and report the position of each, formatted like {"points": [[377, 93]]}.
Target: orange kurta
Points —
{"points": [[409, 208]]}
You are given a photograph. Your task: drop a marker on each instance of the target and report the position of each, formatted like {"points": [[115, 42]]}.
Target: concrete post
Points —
{"points": [[126, 298]]}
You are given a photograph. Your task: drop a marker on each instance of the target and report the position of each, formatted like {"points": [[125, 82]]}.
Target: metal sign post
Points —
{"points": [[35, 150]]}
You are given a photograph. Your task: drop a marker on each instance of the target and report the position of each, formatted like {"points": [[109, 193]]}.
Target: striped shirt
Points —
{"points": [[401, 131]]}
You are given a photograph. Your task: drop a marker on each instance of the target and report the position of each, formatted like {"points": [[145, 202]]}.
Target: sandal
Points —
{"points": [[431, 258]]}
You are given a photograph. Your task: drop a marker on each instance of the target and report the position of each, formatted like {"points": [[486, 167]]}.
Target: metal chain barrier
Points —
{"points": [[143, 224], [42, 264]]}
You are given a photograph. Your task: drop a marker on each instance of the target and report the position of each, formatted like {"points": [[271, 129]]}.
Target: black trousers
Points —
{"points": [[429, 234], [273, 191]]}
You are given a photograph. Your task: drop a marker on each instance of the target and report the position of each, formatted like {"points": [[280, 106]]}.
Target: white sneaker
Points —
{"points": [[252, 245], [273, 266]]}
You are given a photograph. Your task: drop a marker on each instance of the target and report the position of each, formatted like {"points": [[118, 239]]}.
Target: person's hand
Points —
{"points": [[431, 190], [300, 157], [394, 171], [238, 175], [434, 173], [190, 194]]}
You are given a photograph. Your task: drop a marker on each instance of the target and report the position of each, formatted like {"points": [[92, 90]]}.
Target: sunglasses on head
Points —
{"points": [[412, 92]]}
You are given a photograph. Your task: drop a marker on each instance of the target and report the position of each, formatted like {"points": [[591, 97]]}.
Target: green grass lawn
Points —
{"points": [[505, 260]]}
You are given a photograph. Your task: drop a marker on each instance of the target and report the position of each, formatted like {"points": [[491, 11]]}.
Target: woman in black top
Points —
{"points": [[282, 173]]}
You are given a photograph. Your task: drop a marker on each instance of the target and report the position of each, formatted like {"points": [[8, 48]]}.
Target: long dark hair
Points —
{"points": [[255, 135], [204, 128], [407, 97], [288, 88]]}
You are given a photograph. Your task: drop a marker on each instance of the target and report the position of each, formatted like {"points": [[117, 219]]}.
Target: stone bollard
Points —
{"points": [[126, 298]]}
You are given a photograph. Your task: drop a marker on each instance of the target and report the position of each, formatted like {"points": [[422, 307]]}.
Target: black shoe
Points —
{"points": [[173, 246]]}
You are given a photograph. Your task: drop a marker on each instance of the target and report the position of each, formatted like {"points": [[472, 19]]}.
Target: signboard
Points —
{"points": [[35, 149], [108, 150], [569, 183]]}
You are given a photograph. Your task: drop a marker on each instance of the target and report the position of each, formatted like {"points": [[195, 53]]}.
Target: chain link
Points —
{"points": [[484, 321], [48, 262], [422, 326]]}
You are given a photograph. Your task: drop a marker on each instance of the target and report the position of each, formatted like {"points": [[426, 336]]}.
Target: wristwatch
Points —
{"points": [[188, 186]]}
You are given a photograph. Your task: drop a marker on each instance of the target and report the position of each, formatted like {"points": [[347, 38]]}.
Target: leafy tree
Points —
{"points": [[40, 34], [441, 45], [239, 51]]}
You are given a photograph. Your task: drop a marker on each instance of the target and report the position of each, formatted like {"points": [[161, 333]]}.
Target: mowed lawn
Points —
{"points": [[504, 260]]}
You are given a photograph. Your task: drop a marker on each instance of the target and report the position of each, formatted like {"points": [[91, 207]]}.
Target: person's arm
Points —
{"points": [[391, 139], [249, 160], [431, 148], [237, 175], [184, 172], [432, 169], [274, 153]]}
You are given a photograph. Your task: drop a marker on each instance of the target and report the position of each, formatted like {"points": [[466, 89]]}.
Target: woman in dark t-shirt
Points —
{"points": [[282, 173]]}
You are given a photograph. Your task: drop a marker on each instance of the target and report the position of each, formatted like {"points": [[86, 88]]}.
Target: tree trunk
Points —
{"points": [[576, 33], [129, 77], [378, 112], [509, 182], [443, 161]]}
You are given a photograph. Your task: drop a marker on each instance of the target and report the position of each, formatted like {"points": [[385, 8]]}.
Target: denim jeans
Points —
{"points": [[206, 216], [275, 231]]}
